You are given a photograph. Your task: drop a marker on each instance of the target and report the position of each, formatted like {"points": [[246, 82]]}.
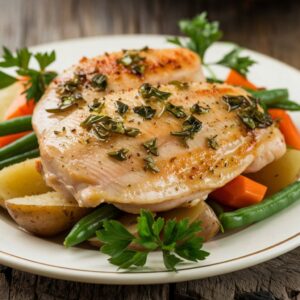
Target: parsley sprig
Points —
{"points": [[202, 34], [178, 241], [38, 80]]}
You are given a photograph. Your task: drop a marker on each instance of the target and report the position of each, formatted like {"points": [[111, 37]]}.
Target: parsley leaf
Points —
{"points": [[238, 63], [177, 240], [38, 80], [201, 34]]}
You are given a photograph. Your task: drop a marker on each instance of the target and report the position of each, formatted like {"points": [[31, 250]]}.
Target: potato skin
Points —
{"points": [[44, 219]]}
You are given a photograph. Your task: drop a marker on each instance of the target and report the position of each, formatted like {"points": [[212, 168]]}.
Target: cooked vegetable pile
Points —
{"points": [[126, 238]]}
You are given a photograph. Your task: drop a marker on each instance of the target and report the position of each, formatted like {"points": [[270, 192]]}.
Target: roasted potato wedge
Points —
{"points": [[200, 212], [45, 215], [21, 180], [280, 173]]}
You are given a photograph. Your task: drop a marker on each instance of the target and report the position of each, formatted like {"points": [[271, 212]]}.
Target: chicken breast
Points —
{"points": [[157, 147], [123, 70]]}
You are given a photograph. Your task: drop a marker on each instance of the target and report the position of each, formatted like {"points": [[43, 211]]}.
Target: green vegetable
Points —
{"points": [[177, 240], [255, 213], [99, 81], [122, 108], [15, 125], [276, 98], [119, 154], [25, 143], [38, 79], [150, 164], [148, 92], [19, 158], [145, 111], [151, 146], [86, 228]]}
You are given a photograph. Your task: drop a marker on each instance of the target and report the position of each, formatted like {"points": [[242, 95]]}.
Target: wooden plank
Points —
{"points": [[272, 27]]}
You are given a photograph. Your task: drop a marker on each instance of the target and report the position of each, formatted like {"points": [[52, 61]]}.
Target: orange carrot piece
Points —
{"points": [[19, 107], [5, 140], [235, 78], [286, 125], [240, 192]]}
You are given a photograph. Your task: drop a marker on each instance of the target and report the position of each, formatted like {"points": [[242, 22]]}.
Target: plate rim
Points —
{"points": [[155, 277]]}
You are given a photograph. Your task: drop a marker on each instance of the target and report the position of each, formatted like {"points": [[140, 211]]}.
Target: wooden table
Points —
{"points": [[269, 26]]}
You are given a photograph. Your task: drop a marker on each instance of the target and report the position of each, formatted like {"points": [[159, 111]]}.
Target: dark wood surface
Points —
{"points": [[268, 26]]}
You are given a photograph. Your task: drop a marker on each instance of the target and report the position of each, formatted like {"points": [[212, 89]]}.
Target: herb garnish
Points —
{"points": [[180, 85], [99, 81], [38, 80], [175, 110], [189, 128], [96, 106], [151, 146], [148, 92], [201, 34], [178, 241], [150, 164], [133, 62], [212, 142], [249, 111], [120, 154], [132, 132], [199, 110], [145, 111], [122, 108]]}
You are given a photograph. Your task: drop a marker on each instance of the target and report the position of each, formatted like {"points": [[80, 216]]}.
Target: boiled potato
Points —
{"points": [[280, 173], [200, 212], [45, 215], [21, 180], [6, 96]]}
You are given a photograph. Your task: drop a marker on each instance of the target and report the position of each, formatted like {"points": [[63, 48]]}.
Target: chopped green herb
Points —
{"points": [[119, 154], [96, 106], [145, 111], [212, 142], [99, 81], [150, 164], [199, 110], [151, 146], [235, 102], [122, 108], [148, 92], [177, 240], [132, 132], [189, 128], [177, 111], [133, 62], [180, 85], [67, 103]]}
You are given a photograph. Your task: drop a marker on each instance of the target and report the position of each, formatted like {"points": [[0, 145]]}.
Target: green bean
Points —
{"points": [[19, 158], [255, 213], [287, 105], [15, 125], [87, 226], [271, 96], [214, 80], [23, 144]]}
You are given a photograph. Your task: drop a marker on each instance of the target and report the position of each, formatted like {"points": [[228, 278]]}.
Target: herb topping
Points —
{"points": [[119, 154], [148, 92], [145, 111], [177, 111], [150, 164], [132, 61], [199, 110], [122, 108], [151, 146], [99, 81]]}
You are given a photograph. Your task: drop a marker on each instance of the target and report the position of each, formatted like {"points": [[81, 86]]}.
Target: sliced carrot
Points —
{"points": [[5, 140], [19, 107], [235, 78], [289, 130], [240, 192]]}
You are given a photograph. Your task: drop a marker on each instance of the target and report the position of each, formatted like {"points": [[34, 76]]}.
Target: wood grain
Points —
{"points": [[268, 26]]}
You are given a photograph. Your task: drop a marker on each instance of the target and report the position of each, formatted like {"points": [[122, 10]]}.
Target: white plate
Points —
{"points": [[253, 245]]}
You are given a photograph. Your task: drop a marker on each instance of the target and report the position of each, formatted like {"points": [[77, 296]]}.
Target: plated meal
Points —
{"points": [[138, 150]]}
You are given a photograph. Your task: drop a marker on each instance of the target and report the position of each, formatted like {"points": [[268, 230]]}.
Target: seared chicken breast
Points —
{"points": [[156, 146]]}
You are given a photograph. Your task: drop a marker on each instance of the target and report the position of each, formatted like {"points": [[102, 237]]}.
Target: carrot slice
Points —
{"points": [[19, 107], [240, 192], [287, 127], [235, 78], [5, 140]]}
